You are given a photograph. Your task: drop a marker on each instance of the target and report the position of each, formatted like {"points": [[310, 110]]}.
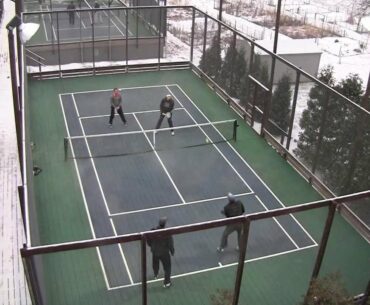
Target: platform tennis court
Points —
{"points": [[108, 24], [185, 177]]}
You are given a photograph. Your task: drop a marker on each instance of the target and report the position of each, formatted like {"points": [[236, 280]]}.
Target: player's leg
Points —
{"points": [[225, 235], [170, 123], [111, 115], [166, 262], [159, 121], [121, 114], [155, 263]]}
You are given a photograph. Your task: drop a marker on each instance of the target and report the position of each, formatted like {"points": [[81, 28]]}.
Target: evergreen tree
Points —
{"points": [[233, 70], [240, 71], [227, 71], [356, 138], [280, 107], [311, 121], [210, 62], [343, 123], [345, 130]]}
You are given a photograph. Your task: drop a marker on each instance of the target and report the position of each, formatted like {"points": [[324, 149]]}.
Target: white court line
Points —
{"points": [[121, 251], [278, 223], [135, 112], [160, 161], [123, 88], [177, 204], [84, 198], [91, 159], [220, 266], [214, 145], [232, 167], [246, 163], [119, 20]]}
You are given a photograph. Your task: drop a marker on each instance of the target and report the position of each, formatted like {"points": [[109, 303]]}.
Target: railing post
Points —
{"points": [[323, 244], [242, 255], [294, 106], [32, 279], [143, 270], [159, 38], [192, 36]]}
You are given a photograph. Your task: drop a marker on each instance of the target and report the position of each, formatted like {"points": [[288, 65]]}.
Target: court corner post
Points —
{"points": [[242, 254]]}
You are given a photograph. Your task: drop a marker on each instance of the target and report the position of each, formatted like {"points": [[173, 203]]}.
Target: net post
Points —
{"points": [[235, 127], [65, 149]]}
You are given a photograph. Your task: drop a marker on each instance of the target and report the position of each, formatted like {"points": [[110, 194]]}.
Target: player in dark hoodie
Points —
{"points": [[161, 249]]}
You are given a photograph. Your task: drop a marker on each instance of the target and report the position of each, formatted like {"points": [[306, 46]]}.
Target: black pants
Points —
{"points": [[228, 230], [72, 18], [161, 117], [166, 263], [119, 111]]}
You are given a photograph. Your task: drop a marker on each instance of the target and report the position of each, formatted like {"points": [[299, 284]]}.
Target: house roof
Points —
{"points": [[290, 46]]}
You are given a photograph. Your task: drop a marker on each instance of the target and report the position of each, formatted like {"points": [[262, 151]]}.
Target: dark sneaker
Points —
{"points": [[167, 285], [219, 249]]}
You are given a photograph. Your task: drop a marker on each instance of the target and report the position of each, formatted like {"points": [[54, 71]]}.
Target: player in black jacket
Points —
{"points": [[166, 107], [161, 249], [232, 209]]}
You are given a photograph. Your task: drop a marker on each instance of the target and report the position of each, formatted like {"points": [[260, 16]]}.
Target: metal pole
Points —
{"points": [[58, 42], [143, 270], [192, 36], [126, 46], [205, 36], [294, 106], [242, 255], [220, 10], [277, 25], [324, 240], [322, 246], [15, 91], [32, 279], [159, 39]]}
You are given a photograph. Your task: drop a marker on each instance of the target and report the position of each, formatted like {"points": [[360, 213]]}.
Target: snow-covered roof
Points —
{"points": [[291, 46]]}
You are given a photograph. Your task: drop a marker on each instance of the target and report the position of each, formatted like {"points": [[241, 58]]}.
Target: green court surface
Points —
{"points": [[61, 204]]}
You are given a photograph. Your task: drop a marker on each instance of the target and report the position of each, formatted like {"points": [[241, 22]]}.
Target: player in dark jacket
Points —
{"points": [[232, 209], [166, 107], [161, 249]]}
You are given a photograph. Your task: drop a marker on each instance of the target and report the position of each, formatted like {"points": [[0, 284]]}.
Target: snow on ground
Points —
{"points": [[345, 55]]}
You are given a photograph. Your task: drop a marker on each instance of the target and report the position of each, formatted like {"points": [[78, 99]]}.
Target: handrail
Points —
{"points": [[35, 54], [83, 244]]}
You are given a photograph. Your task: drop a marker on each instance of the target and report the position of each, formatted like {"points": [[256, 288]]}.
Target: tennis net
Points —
{"points": [[142, 141]]}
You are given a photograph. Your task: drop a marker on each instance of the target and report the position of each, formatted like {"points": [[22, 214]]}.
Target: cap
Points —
{"points": [[231, 197], [162, 221], [168, 96]]}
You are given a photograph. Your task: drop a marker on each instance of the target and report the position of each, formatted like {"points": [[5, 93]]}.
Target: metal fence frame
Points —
{"points": [[332, 204]]}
